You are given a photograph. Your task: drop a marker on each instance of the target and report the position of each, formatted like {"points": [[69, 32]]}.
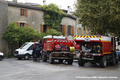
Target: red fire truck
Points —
{"points": [[57, 47], [96, 49]]}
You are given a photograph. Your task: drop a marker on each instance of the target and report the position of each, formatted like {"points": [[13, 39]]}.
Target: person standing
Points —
{"points": [[36, 53]]}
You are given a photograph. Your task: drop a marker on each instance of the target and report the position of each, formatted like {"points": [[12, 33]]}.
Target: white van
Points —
{"points": [[25, 51], [1, 56]]}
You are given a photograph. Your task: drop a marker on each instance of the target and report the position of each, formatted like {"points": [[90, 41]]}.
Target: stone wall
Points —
{"points": [[34, 18], [3, 24], [69, 21]]}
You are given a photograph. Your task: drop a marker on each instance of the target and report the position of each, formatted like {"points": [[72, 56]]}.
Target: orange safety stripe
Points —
{"points": [[87, 37]]}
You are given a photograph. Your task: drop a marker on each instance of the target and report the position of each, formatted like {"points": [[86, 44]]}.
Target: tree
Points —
{"points": [[100, 16], [53, 32], [14, 34], [52, 15], [28, 34]]}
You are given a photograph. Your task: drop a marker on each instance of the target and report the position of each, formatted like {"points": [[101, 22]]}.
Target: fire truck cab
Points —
{"points": [[96, 49], [57, 47]]}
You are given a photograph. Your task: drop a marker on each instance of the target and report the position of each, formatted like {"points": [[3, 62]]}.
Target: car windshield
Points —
{"points": [[23, 46]]}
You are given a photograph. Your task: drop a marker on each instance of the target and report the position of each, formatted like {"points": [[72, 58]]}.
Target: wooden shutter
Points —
{"points": [[64, 30], [60, 28], [21, 12], [26, 24], [85, 31], [41, 28], [26, 13], [78, 31], [18, 24], [81, 31], [72, 30]]}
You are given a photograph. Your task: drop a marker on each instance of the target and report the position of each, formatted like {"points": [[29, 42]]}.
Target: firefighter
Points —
{"points": [[36, 53]]}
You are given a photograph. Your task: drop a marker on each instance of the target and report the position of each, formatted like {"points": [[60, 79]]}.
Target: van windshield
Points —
{"points": [[23, 46]]}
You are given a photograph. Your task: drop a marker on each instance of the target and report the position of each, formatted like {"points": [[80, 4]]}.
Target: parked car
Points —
{"points": [[25, 51], [1, 56]]}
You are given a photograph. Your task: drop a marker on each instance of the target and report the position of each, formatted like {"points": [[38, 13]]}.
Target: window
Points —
{"points": [[31, 47], [23, 12], [22, 24], [44, 28], [69, 30], [61, 29]]}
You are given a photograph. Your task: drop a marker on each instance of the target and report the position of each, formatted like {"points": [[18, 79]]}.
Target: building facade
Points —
{"points": [[27, 15], [81, 30]]}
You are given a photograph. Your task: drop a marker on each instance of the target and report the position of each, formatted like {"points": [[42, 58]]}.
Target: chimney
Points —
{"points": [[68, 12], [44, 2]]}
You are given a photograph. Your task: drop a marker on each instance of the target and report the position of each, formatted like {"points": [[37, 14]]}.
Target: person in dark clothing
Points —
{"points": [[36, 53]]}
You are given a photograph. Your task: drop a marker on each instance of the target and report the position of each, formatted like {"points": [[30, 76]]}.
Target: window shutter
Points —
{"points": [[18, 24], [86, 32], [21, 12], [26, 24], [60, 28], [72, 30], [64, 30], [26, 12], [78, 31], [81, 31], [41, 28]]}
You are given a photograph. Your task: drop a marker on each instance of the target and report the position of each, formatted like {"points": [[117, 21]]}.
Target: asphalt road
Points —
{"points": [[13, 69]]}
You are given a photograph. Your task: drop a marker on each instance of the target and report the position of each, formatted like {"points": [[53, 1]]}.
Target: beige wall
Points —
{"points": [[69, 21], [34, 18]]}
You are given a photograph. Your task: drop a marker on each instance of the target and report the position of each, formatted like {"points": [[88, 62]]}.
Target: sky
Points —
{"points": [[62, 4]]}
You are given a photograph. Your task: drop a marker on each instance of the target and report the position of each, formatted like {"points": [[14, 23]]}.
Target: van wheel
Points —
{"points": [[1, 58], [103, 62], [80, 61], [27, 57], [51, 60], [19, 58]]}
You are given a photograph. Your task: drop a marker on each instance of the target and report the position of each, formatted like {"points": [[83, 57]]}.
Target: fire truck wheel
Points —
{"points": [[51, 60], [44, 59], [80, 61], [113, 62], [27, 57], [103, 62], [70, 61], [60, 61]]}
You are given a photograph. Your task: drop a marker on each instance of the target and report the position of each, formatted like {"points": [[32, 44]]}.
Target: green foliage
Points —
{"points": [[52, 15], [53, 32], [28, 34], [14, 34], [100, 16], [42, 35]]}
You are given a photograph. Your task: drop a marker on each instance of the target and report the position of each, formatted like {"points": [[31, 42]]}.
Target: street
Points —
{"points": [[13, 69]]}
